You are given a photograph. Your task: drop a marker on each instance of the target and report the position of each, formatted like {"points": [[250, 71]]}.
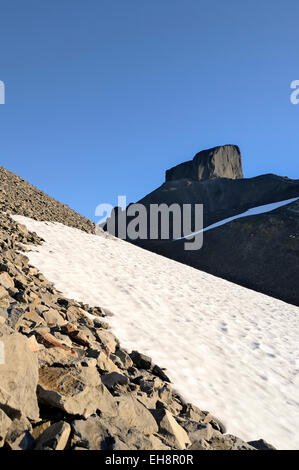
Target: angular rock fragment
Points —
{"points": [[76, 390], [19, 435], [136, 415], [5, 422], [19, 376], [114, 378], [261, 445], [141, 360], [108, 340], [228, 442], [55, 437], [6, 280], [173, 434], [108, 434]]}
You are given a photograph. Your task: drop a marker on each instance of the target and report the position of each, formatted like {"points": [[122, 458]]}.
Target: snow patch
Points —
{"points": [[229, 350]]}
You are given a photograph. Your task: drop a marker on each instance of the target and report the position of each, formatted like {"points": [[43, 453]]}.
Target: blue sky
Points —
{"points": [[103, 96]]}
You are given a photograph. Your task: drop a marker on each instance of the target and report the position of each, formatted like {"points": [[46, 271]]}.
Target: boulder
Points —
{"points": [[55, 437], [136, 415], [105, 364], [107, 339], [173, 434], [114, 378], [6, 280], [54, 356], [124, 358], [228, 442], [197, 431], [75, 390], [53, 317], [19, 377], [97, 433]]}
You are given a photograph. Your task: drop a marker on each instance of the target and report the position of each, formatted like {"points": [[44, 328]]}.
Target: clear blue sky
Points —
{"points": [[103, 95]]}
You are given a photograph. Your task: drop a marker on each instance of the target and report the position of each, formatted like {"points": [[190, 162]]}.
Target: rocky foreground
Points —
{"points": [[66, 382]]}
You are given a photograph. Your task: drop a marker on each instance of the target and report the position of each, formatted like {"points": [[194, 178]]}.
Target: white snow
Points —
{"points": [[253, 211], [227, 349]]}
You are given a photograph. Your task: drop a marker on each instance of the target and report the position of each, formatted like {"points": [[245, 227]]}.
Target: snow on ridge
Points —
{"points": [[227, 349], [250, 212]]}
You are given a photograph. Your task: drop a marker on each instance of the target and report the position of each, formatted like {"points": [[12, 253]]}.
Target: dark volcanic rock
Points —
{"points": [[223, 197], [218, 162], [259, 252]]}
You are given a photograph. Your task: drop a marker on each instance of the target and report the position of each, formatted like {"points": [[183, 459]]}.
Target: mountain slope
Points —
{"points": [[226, 348], [66, 381], [17, 196]]}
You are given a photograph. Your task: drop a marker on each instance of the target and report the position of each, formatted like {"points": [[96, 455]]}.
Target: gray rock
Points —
{"points": [[6, 281], [105, 364], [197, 431], [108, 434], [124, 358], [114, 378], [173, 434], [136, 415], [228, 442], [55, 437], [108, 340], [19, 376], [201, 444], [3, 292], [261, 445], [14, 314], [76, 390], [5, 422], [24, 442], [55, 356], [53, 317]]}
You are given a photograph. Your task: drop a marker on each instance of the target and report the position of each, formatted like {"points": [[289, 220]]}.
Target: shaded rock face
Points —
{"points": [[259, 252], [218, 162], [222, 197]]}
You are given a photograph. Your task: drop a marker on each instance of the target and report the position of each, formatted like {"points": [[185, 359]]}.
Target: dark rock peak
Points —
{"points": [[218, 162]]}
